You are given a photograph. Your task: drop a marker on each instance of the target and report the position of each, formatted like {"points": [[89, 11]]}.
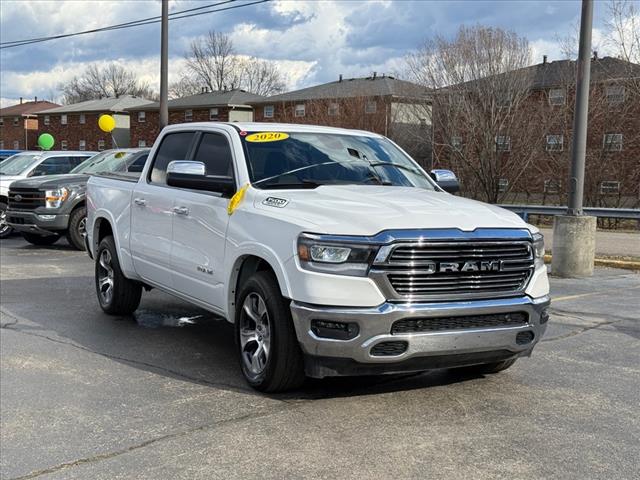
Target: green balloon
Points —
{"points": [[46, 141]]}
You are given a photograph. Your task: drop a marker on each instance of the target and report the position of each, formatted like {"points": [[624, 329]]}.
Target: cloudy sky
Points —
{"points": [[312, 40]]}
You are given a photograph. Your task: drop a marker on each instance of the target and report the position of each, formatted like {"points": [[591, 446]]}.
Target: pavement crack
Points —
{"points": [[579, 331], [169, 436]]}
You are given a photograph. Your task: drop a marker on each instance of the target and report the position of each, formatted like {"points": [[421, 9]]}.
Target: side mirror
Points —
{"points": [[192, 175], [446, 180]]}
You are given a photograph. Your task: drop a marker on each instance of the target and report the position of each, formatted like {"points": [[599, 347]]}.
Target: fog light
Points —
{"points": [[334, 330], [544, 316], [523, 338], [46, 218]]}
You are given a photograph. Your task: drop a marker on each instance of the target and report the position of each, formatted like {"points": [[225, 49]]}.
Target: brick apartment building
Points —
{"points": [[75, 127], [532, 154], [221, 106], [380, 103], [19, 124]]}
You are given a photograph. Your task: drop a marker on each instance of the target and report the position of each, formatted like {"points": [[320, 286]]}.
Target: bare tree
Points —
{"points": [[481, 86], [212, 62], [112, 80], [184, 87]]}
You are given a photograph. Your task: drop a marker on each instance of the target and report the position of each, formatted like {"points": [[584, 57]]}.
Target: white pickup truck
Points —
{"points": [[331, 251]]}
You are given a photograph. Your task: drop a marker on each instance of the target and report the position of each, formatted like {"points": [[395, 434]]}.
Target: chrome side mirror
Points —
{"points": [[446, 180], [186, 167]]}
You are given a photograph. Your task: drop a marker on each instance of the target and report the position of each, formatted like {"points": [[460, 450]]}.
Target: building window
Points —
{"points": [[188, 115], [612, 142], [609, 188], [16, 145], [557, 96], [82, 145], [100, 145], [83, 119], [63, 119], [63, 145], [1, 144], [551, 186], [213, 114], [300, 110], [503, 99], [268, 111], [333, 109], [1, 122], [503, 143], [142, 143], [16, 121], [555, 143], [370, 107], [456, 143], [503, 184], [142, 117], [47, 120], [614, 94]]}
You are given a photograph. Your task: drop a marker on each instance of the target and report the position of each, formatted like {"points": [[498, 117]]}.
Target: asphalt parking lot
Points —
{"points": [[161, 395]]}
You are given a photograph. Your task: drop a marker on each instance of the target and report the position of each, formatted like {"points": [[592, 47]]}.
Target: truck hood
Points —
{"points": [[367, 210], [5, 181], [51, 182]]}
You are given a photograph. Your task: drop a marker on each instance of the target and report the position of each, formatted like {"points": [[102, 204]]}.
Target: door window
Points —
{"points": [[174, 146], [215, 153], [53, 166]]}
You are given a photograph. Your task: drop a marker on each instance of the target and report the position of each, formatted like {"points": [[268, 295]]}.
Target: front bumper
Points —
{"points": [[32, 222], [424, 350]]}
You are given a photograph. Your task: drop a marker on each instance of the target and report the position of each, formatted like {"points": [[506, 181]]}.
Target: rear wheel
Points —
{"points": [[42, 240], [77, 228], [5, 229], [270, 355], [117, 294]]}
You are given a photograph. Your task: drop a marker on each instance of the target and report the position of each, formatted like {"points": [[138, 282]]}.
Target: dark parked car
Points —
{"points": [[45, 208]]}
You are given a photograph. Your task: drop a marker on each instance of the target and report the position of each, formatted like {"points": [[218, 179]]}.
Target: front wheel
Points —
{"points": [[117, 294], [5, 228], [270, 356], [77, 228], [41, 240]]}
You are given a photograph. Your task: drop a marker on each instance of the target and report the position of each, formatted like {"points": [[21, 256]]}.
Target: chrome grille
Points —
{"points": [[25, 199], [455, 270]]}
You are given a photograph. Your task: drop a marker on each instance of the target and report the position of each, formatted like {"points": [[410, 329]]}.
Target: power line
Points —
{"points": [[134, 23]]}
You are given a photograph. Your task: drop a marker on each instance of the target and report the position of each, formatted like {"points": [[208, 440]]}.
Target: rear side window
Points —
{"points": [[174, 146], [75, 161], [215, 153]]}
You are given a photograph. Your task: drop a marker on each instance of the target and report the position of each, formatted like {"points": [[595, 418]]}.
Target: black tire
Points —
{"points": [[77, 228], [489, 368], [284, 366], [5, 230], [125, 294], [42, 240]]}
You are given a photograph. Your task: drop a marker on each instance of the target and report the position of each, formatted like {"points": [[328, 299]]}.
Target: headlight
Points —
{"points": [[318, 255], [55, 198], [538, 249]]}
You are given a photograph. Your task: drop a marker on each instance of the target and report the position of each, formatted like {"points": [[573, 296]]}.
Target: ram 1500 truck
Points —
{"points": [[330, 250]]}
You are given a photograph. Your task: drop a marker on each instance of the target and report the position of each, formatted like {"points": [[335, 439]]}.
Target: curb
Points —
{"points": [[608, 262]]}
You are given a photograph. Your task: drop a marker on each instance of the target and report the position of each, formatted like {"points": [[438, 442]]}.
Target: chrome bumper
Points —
{"points": [[375, 327]]}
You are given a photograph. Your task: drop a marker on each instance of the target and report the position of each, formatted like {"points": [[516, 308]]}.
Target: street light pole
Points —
{"points": [[164, 65], [580, 119], [574, 234]]}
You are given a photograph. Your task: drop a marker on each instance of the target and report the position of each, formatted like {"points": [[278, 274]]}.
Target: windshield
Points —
{"points": [[307, 160], [18, 163], [110, 161]]}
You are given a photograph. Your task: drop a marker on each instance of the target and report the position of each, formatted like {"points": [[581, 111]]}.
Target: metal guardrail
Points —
{"points": [[525, 210]]}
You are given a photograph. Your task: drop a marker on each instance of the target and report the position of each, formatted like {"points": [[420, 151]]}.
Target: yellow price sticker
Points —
{"points": [[266, 137]]}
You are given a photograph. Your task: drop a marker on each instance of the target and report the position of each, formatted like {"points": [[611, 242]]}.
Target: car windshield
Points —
{"points": [[308, 160], [110, 161], [17, 164]]}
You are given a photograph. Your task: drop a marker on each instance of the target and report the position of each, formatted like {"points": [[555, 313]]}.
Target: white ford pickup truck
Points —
{"points": [[330, 250]]}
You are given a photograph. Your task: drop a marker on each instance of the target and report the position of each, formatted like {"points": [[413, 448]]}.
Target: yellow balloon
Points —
{"points": [[106, 123]]}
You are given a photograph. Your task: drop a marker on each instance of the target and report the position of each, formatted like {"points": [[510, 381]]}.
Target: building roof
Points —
{"points": [[207, 99], [26, 108], [374, 86], [112, 104]]}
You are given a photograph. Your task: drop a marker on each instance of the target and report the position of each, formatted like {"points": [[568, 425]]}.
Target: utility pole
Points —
{"points": [[164, 65], [574, 234]]}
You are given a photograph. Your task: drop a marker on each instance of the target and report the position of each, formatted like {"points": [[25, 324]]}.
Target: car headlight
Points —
{"points": [[538, 249], [55, 198], [318, 255]]}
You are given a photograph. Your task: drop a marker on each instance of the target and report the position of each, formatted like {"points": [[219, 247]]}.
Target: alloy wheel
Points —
{"points": [[105, 277], [255, 333]]}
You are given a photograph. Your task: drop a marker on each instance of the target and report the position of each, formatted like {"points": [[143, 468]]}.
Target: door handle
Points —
{"points": [[181, 210], [140, 201]]}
